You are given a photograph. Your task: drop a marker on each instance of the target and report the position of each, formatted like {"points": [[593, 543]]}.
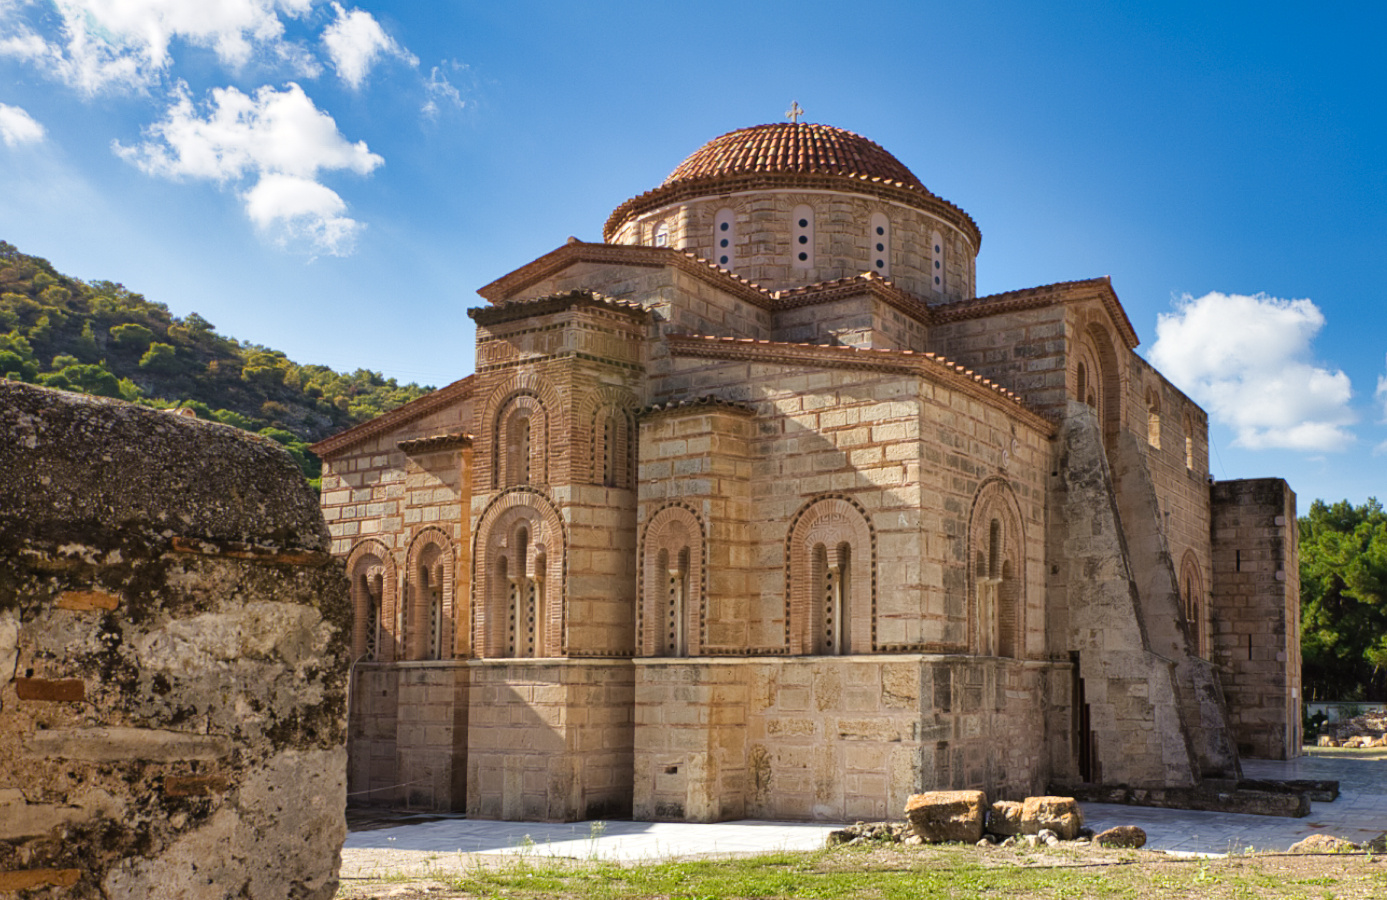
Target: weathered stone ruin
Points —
{"points": [[172, 659]]}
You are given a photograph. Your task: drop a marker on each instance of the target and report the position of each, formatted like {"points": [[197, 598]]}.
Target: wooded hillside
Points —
{"points": [[101, 338]]}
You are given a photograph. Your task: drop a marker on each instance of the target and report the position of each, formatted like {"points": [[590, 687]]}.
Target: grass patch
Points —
{"points": [[892, 873]]}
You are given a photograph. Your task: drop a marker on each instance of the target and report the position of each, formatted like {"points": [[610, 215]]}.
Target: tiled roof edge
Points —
{"points": [[400, 415]]}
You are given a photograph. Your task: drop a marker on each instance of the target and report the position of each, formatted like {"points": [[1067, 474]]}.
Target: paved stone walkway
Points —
{"points": [[378, 847]]}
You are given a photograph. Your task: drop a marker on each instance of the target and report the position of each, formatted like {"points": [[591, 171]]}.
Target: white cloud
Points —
{"points": [[300, 211], [18, 127], [355, 41], [440, 90], [124, 44], [1247, 358], [278, 137]]}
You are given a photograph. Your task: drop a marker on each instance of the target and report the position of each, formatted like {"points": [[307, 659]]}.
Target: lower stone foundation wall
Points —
{"points": [[838, 738], [549, 740]]}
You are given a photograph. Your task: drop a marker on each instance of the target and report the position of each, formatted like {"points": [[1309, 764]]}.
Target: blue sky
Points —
{"points": [[337, 180]]}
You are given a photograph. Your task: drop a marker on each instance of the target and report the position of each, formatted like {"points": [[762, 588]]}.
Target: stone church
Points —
{"points": [[755, 509]]}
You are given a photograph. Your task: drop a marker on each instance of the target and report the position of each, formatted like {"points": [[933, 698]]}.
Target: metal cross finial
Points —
{"points": [[794, 112]]}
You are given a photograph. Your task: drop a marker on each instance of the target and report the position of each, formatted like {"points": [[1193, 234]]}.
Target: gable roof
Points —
{"points": [[395, 418]]}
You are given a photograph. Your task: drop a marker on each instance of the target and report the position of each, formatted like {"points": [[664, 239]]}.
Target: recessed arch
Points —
{"points": [[533, 396], [1194, 602], [830, 563], [672, 610], [429, 585], [371, 569], [519, 574], [609, 416], [996, 580]]}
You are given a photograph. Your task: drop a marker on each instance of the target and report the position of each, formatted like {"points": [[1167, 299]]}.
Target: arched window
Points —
{"points": [[371, 568], [372, 577], [670, 612], [1153, 418], [1082, 383], [725, 238], [830, 623], [998, 550], [879, 243], [936, 243], [519, 578], [428, 623], [521, 433], [1192, 594], [662, 235], [831, 592], [612, 455], [802, 237]]}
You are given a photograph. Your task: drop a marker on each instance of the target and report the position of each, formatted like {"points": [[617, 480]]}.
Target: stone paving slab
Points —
{"points": [[1358, 815]]}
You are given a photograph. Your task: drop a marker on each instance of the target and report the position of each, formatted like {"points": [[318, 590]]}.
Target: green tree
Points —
{"points": [[131, 336], [1343, 601], [87, 378], [159, 358]]}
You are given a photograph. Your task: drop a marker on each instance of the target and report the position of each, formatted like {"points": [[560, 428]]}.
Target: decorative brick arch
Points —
{"points": [[830, 578], [430, 568], [606, 426], [672, 609], [1105, 376], [530, 396], [520, 547], [996, 572], [1196, 606], [371, 568]]}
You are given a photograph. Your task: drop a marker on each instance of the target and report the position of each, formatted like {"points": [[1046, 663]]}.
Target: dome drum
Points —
{"points": [[791, 204]]}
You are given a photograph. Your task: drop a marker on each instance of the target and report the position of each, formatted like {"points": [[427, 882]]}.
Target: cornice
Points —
{"points": [[706, 403], [511, 310], [453, 440], [876, 186]]}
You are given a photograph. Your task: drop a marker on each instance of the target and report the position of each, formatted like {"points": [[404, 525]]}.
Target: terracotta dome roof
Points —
{"points": [[800, 148], [791, 155]]}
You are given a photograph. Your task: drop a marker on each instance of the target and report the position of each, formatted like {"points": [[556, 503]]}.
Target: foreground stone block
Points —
{"points": [[1122, 837], [1004, 818], [941, 816], [172, 659], [1059, 814]]}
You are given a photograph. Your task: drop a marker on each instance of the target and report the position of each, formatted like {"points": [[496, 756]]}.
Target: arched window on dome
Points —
{"points": [[879, 242], [802, 237], [936, 249], [662, 235], [725, 238]]}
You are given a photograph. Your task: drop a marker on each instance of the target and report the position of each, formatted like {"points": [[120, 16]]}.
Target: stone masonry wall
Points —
{"points": [[840, 738], [173, 640], [911, 453], [549, 740], [1256, 613]]}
